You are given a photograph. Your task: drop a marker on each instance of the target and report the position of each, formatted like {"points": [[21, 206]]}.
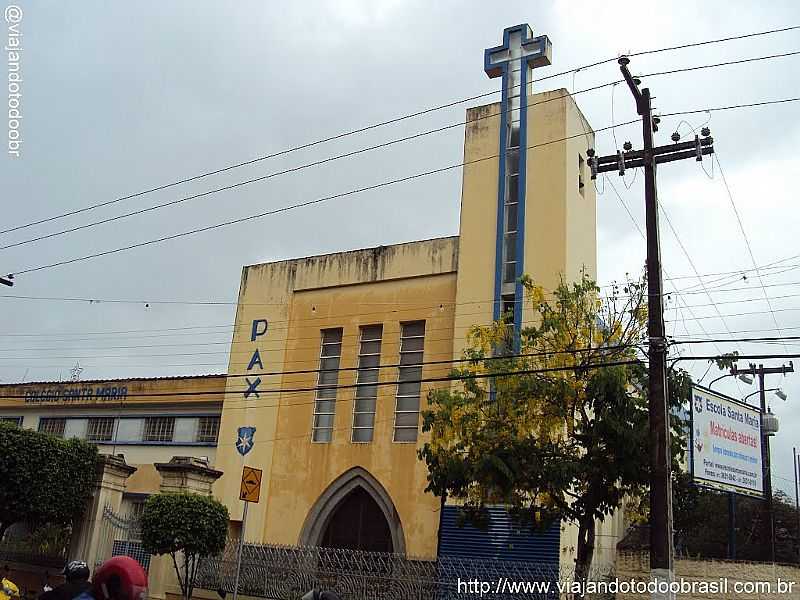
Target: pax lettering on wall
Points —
{"points": [[258, 328]]}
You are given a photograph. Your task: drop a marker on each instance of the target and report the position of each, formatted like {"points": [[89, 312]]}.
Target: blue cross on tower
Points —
{"points": [[513, 61]]}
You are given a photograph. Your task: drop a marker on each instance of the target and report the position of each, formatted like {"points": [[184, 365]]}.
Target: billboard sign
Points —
{"points": [[725, 443]]}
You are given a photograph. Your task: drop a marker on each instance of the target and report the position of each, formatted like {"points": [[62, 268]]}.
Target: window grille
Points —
{"points": [[158, 429], [15, 420], [406, 418], [53, 425], [328, 379], [208, 429], [100, 429], [369, 358]]}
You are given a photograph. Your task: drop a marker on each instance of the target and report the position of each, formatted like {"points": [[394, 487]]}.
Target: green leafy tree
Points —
{"points": [[192, 525], [702, 517], [45, 480], [561, 431]]}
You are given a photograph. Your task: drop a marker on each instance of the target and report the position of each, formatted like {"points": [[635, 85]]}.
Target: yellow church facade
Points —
{"points": [[299, 317], [333, 356]]}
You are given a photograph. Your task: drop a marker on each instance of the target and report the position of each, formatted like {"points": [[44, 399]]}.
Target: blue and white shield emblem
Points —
{"points": [[244, 443]]}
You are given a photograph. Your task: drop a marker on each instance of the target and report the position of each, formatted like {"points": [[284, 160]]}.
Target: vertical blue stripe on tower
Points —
{"points": [[521, 182], [530, 52], [501, 191]]}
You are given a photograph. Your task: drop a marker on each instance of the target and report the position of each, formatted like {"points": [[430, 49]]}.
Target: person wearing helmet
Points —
{"points": [[320, 595], [76, 584], [120, 578], [8, 589]]}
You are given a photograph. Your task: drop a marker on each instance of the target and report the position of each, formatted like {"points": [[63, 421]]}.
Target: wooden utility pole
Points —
{"points": [[795, 465], [661, 530]]}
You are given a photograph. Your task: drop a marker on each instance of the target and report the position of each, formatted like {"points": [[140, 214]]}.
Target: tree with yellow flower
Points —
{"points": [[552, 423]]}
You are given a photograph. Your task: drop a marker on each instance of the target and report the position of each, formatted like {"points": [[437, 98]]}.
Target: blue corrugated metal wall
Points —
{"points": [[503, 540]]}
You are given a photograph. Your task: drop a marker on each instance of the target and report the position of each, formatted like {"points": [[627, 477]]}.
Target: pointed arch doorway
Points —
{"points": [[355, 513], [358, 524]]}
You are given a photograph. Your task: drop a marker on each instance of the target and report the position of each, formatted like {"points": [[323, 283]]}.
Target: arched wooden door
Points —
{"points": [[358, 523]]}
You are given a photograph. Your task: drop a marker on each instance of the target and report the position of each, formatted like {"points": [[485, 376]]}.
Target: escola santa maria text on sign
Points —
{"points": [[725, 443]]}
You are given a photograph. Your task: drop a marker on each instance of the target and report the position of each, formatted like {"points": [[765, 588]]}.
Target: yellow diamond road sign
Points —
{"points": [[251, 485]]}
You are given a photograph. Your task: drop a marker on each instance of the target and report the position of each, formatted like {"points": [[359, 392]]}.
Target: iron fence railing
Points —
{"points": [[287, 572], [33, 552], [120, 535]]}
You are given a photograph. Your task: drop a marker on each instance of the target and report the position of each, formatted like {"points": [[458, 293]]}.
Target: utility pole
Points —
{"points": [[761, 371], [661, 530], [796, 497]]}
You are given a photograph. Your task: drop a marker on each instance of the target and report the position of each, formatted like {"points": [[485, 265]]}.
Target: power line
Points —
{"points": [[380, 124], [295, 206], [300, 320], [316, 338], [723, 64], [216, 303], [365, 149], [335, 196], [228, 328], [678, 296], [674, 341], [460, 377], [739, 340], [451, 361], [747, 243], [283, 172], [694, 267], [745, 314], [730, 107]]}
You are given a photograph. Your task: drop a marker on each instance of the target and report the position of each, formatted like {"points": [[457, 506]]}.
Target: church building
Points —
{"points": [[333, 356], [306, 402]]}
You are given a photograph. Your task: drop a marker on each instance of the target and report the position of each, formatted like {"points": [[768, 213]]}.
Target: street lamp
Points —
{"points": [[778, 392], [742, 377]]}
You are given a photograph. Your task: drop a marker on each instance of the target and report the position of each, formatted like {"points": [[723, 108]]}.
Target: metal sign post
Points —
{"points": [[239, 555], [250, 491]]}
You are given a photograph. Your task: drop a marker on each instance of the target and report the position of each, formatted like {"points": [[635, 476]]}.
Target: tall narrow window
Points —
{"points": [[510, 216], [53, 425], [369, 358], [580, 174], [325, 404], [100, 429], [406, 418]]}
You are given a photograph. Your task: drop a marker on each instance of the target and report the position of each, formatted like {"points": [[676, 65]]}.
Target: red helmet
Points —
{"points": [[120, 578]]}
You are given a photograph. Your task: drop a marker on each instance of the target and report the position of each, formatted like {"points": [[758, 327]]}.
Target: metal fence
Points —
{"points": [[30, 553], [46, 546], [285, 573], [120, 535]]}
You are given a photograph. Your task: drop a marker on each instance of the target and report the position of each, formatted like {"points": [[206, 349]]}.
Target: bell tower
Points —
{"points": [[528, 210]]}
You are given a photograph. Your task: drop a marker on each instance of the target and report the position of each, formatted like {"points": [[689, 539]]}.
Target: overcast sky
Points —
{"points": [[118, 98]]}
